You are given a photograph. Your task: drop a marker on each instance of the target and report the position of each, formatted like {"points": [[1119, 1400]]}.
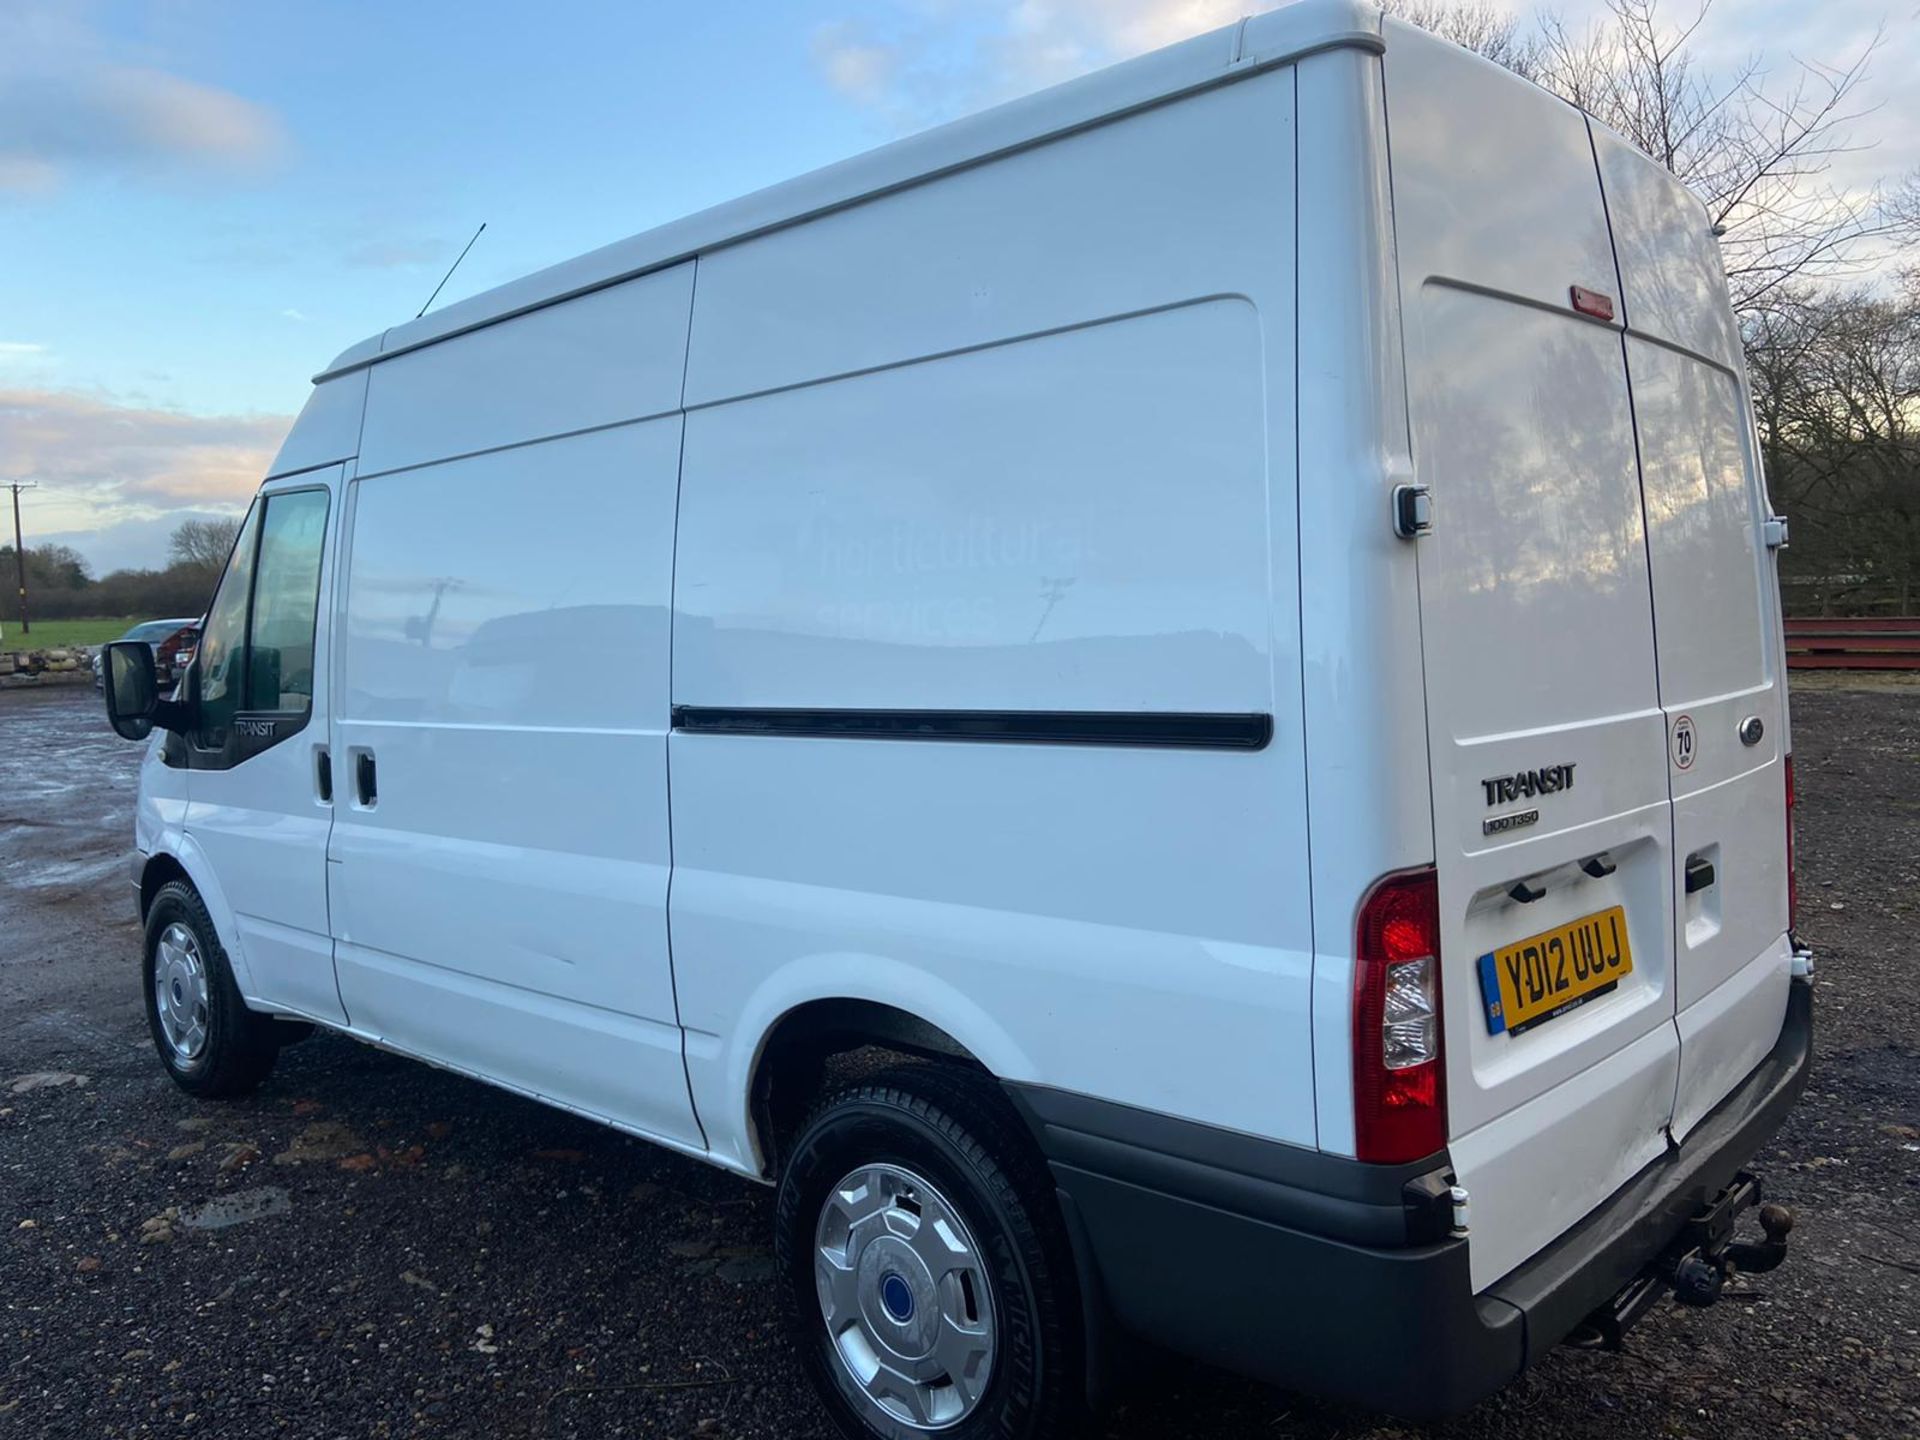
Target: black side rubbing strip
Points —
{"points": [[1179, 730]]}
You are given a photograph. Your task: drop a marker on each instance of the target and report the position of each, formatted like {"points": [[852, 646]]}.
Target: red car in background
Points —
{"points": [[173, 642], [172, 655]]}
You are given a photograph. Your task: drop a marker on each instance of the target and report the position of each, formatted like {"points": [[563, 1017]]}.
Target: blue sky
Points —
{"points": [[202, 202]]}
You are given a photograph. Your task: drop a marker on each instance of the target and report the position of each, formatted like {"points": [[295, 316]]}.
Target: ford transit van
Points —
{"points": [[1164, 705]]}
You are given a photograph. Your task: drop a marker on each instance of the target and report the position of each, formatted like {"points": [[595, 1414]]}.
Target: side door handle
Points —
{"points": [[323, 774], [366, 779]]}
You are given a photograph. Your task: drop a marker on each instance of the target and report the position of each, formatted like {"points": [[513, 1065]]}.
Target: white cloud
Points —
{"points": [[104, 465], [26, 174], [67, 107], [136, 544], [20, 350], [1788, 33], [1117, 28], [1792, 43], [857, 66], [918, 62]]}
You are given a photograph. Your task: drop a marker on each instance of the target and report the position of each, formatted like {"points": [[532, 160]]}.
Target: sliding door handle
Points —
{"points": [[366, 780]]}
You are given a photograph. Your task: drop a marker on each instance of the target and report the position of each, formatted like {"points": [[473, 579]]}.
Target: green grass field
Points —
{"points": [[49, 634]]}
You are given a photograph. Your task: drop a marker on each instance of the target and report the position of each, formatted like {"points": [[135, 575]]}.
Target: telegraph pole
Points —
{"points": [[20, 552]]}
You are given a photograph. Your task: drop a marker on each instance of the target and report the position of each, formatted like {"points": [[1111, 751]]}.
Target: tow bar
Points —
{"points": [[1696, 1266]]}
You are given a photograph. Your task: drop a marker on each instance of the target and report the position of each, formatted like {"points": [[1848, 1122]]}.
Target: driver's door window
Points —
{"points": [[286, 599], [223, 641], [256, 655]]}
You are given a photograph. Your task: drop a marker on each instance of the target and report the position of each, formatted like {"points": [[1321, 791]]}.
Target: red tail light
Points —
{"points": [[1399, 1084], [1793, 879]]}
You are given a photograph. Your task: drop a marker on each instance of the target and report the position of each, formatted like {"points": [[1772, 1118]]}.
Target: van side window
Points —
{"points": [[256, 654]]}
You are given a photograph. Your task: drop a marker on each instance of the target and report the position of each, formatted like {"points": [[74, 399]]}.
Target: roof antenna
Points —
{"points": [[450, 269]]}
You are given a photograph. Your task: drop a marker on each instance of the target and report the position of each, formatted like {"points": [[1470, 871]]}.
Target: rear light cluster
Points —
{"points": [[1399, 1085], [1793, 879]]}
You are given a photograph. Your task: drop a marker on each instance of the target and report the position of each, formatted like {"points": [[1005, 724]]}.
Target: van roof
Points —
{"points": [[1231, 53]]}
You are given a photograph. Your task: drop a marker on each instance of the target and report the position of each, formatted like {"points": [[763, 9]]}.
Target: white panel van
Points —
{"points": [[1165, 705]]}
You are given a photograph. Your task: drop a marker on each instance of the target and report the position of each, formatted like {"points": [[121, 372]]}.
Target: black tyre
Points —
{"points": [[211, 1044], [926, 1264]]}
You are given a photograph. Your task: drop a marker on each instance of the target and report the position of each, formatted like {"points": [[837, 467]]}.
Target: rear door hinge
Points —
{"points": [[1774, 528], [1412, 511]]}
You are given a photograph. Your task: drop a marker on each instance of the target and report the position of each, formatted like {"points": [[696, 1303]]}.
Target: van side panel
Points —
{"points": [[1143, 212], [327, 430], [1031, 450], [1369, 810], [1069, 523], [614, 355]]}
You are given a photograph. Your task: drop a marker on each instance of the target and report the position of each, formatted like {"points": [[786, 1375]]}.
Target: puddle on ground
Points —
{"points": [[237, 1208], [49, 874]]}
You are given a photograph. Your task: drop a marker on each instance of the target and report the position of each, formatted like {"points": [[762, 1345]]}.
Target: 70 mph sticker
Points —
{"points": [[1684, 747]]}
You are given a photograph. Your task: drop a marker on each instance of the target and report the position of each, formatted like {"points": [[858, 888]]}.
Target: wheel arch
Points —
{"points": [[185, 862], [780, 1072], [160, 869]]}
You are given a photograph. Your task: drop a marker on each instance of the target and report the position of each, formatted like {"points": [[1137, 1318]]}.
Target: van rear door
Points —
{"points": [[1715, 606], [1552, 821]]}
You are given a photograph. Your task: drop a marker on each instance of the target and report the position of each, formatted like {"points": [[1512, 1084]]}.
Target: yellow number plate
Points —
{"points": [[1531, 981]]}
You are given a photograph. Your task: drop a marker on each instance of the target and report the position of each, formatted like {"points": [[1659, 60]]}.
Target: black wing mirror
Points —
{"points": [[132, 689]]}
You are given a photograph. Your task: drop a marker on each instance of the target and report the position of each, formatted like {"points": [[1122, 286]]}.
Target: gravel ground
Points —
{"points": [[368, 1247]]}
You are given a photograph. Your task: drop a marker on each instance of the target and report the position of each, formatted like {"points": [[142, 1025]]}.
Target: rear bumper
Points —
{"points": [[1332, 1277]]}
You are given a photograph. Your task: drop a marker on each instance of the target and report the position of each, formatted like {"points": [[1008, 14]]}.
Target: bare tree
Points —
{"points": [[1836, 389], [202, 546], [1835, 372], [1758, 149], [50, 567], [1903, 215], [1477, 25]]}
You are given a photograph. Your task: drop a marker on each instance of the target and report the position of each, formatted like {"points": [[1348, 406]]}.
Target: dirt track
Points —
{"points": [[434, 1258]]}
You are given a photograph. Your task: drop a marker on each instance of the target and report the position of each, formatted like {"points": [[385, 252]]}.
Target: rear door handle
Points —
{"points": [[1699, 874]]}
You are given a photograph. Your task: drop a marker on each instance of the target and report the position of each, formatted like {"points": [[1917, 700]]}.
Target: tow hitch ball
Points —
{"points": [[1696, 1265], [1707, 1256]]}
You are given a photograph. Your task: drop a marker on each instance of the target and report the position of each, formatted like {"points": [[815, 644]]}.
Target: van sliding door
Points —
{"points": [[499, 861]]}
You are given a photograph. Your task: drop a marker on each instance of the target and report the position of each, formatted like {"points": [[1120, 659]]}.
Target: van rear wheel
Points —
{"points": [[927, 1268], [213, 1046]]}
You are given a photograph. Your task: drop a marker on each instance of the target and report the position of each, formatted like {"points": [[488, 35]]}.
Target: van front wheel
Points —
{"points": [[211, 1043], [929, 1273]]}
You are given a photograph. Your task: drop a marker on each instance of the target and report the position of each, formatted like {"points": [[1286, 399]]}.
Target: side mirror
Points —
{"points": [[132, 690]]}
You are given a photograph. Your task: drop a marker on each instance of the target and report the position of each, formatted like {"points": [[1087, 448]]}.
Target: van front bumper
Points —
{"points": [[1333, 1277]]}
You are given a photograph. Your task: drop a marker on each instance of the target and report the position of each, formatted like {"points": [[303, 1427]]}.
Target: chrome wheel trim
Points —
{"points": [[904, 1292], [180, 992]]}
